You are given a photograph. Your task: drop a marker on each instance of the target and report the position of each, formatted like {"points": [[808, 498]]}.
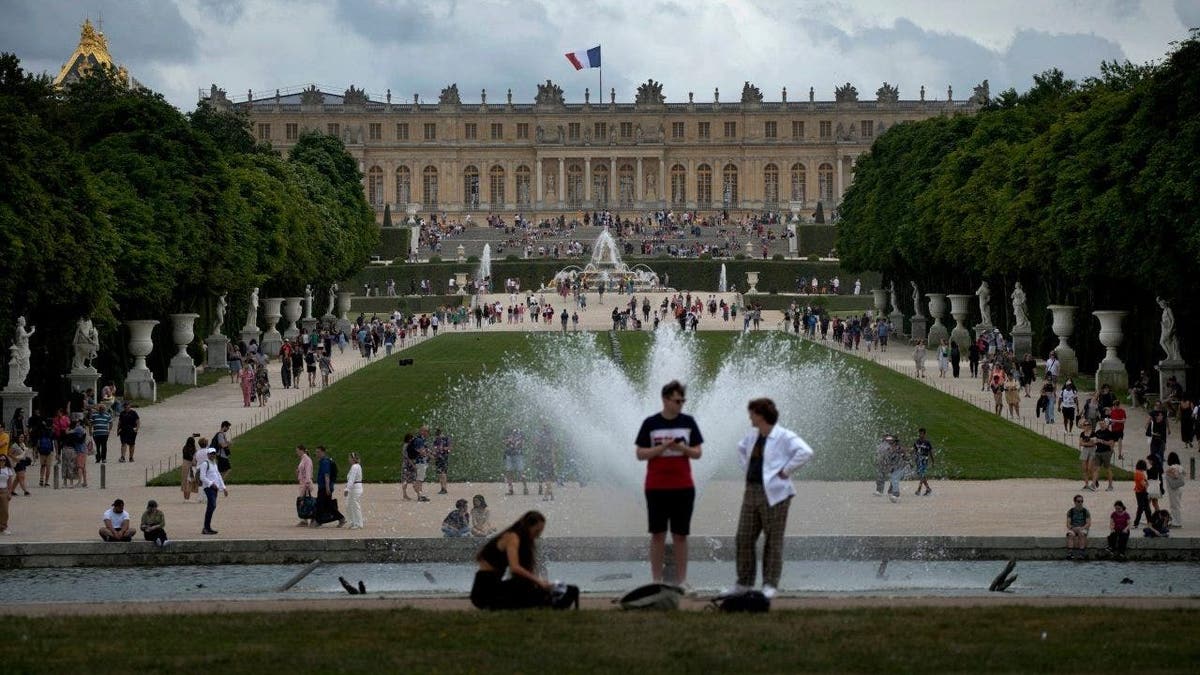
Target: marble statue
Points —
{"points": [[332, 296], [1020, 310], [985, 296], [550, 184], [252, 310], [308, 300], [895, 302], [87, 344], [1169, 341], [18, 364], [916, 299], [652, 185], [222, 303]]}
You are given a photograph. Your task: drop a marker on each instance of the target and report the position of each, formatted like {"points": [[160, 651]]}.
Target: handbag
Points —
{"points": [[752, 602], [306, 506], [1174, 482]]}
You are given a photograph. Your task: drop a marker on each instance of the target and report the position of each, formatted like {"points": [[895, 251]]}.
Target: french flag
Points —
{"points": [[587, 59]]}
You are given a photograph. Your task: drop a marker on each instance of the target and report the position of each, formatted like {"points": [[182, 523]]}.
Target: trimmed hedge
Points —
{"points": [[404, 303], [837, 305], [701, 275], [393, 243], [818, 239]]}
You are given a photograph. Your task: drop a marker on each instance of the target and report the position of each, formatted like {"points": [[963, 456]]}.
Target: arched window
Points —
{"points": [[429, 188], [375, 186], [729, 186], [704, 186], [496, 186], [771, 185], [403, 188], [524, 186], [825, 183], [574, 185], [799, 183], [470, 188], [600, 186], [625, 193], [678, 186]]}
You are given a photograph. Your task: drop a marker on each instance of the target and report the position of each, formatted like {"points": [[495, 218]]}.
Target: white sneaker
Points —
{"points": [[878, 493], [894, 498], [737, 589], [769, 592], [165, 543]]}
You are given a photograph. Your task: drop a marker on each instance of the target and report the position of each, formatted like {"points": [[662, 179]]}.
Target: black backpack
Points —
{"points": [[753, 602]]}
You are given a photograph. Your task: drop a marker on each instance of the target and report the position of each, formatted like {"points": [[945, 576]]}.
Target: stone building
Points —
{"points": [[551, 157]]}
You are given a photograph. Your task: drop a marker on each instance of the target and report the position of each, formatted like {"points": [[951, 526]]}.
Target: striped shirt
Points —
{"points": [[101, 423]]}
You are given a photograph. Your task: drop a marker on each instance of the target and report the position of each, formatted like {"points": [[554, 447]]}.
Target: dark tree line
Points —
{"points": [[114, 205], [1086, 193]]}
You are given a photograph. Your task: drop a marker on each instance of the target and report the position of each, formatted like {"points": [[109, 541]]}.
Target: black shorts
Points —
{"points": [[1068, 414], [1118, 435], [670, 507], [222, 464]]}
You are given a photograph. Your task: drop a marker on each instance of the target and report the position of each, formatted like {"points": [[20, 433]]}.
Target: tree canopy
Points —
{"points": [[114, 205], [1084, 192]]}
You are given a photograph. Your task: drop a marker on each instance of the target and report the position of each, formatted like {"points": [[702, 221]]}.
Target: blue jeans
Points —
{"points": [[895, 477], [455, 532], [210, 493]]}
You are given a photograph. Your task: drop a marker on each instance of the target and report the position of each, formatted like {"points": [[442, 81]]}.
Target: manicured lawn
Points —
{"points": [[929, 639], [371, 411]]}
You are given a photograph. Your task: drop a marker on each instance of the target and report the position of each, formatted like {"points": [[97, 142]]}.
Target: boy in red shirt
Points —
{"points": [[1118, 416]]}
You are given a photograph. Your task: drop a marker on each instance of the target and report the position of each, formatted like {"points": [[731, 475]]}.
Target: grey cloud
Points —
{"points": [[225, 11], [408, 21], [1188, 12], [139, 31], [1078, 56]]}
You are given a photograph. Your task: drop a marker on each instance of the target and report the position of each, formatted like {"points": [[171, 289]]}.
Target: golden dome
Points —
{"points": [[91, 52]]}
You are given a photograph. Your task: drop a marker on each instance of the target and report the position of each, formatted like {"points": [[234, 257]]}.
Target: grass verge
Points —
{"points": [[1006, 639]]}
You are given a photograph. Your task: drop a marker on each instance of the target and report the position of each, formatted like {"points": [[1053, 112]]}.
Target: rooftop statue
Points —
{"points": [[888, 93], [354, 96], [650, 93], [549, 94], [845, 93], [981, 95], [751, 94], [449, 95], [312, 96]]}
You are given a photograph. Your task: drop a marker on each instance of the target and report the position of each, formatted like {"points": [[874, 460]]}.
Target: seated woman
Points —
{"points": [[1118, 536], [153, 525], [481, 525], [457, 523], [1160, 524], [512, 550]]}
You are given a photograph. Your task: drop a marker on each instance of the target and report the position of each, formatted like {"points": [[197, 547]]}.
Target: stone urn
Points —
{"points": [[937, 310], [960, 309], [460, 281], [1111, 370], [272, 341], [1063, 326], [880, 296], [343, 308], [182, 369], [139, 383], [292, 310], [752, 281]]}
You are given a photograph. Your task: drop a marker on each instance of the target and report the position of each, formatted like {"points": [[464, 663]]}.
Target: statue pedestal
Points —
{"points": [[218, 345], [982, 328], [250, 333], [1022, 337], [182, 369], [309, 323], [897, 319], [82, 379], [17, 397], [1111, 370], [139, 382], [1168, 368], [959, 309], [918, 328], [272, 341]]}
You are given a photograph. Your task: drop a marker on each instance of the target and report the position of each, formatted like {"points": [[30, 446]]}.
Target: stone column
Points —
{"points": [[538, 192], [1063, 326], [139, 382], [639, 192], [291, 314], [664, 184], [937, 310], [562, 182], [587, 182], [960, 309], [272, 341], [1111, 370], [837, 185], [182, 369]]}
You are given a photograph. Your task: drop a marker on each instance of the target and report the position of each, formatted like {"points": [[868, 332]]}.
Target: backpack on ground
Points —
{"points": [[652, 596], [753, 602]]}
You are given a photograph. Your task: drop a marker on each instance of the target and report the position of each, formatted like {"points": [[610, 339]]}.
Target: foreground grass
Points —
{"points": [[931, 639], [371, 410]]}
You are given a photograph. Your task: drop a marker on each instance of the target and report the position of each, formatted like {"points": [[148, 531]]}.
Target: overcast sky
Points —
{"points": [[412, 46]]}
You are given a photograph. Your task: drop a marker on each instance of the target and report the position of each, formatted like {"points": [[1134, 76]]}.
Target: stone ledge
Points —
{"points": [[578, 549]]}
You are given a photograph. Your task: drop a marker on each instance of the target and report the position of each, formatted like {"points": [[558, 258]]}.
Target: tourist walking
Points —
{"points": [[955, 359], [1105, 439], [1068, 401], [923, 458], [101, 423], [304, 476], [442, 447], [890, 465], [943, 358], [327, 510], [246, 378], [514, 460], [667, 441], [1012, 396], [769, 455], [128, 425], [1140, 494], [1087, 454], [211, 482], [353, 492], [919, 358], [7, 478], [187, 468], [1174, 477]]}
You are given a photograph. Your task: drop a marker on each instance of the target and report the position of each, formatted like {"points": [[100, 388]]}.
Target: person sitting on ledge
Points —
{"points": [[117, 526], [457, 523], [153, 524], [512, 550], [481, 525], [1160, 524]]}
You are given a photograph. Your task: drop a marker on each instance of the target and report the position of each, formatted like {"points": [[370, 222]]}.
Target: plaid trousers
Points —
{"points": [[758, 518]]}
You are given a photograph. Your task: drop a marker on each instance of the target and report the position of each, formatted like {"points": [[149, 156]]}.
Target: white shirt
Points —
{"points": [[1069, 398], [117, 519], [209, 476], [784, 451], [354, 479]]}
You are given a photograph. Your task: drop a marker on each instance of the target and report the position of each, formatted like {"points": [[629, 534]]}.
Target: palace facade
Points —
{"points": [[551, 157]]}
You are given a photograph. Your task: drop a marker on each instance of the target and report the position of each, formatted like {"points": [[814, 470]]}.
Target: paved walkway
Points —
{"points": [[1005, 507]]}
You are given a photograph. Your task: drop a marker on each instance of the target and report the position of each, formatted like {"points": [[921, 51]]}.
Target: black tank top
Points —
{"points": [[498, 560]]}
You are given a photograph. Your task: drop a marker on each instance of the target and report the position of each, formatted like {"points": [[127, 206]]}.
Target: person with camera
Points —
{"points": [[769, 454], [668, 441]]}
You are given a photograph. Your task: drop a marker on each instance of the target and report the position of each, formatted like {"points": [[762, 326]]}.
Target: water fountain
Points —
{"points": [[608, 270], [722, 285], [485, 263]]}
